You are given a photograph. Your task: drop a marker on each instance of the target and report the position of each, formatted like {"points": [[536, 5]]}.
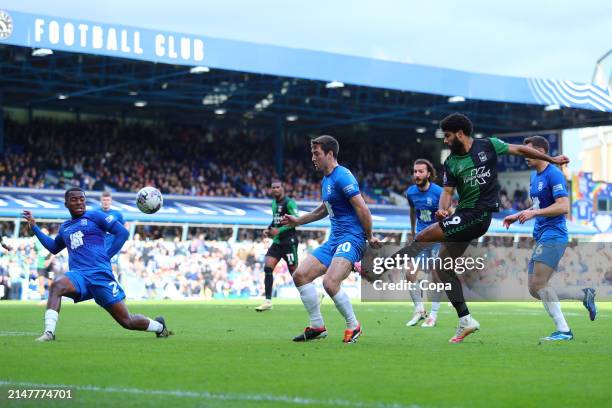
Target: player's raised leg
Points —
{"points": [[337, 272], [307, 271], [61, 286], [467, 324], [129, 321]]}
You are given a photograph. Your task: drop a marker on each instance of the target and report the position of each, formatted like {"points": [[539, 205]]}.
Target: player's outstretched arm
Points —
{"points": [[365, 218], [52, 245], [121, 235], [511, 219], [315, 215], [444, 205], [559, 207], [531, 153]]}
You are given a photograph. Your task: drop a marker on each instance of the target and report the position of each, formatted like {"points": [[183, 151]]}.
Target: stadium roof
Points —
{"points": [[119, 70]]}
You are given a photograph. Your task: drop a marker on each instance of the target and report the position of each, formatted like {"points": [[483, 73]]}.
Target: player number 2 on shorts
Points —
{"points": [[114, 286]]}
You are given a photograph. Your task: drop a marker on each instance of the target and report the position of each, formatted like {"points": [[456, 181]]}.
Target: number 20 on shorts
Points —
{"points": [[346, 247]]}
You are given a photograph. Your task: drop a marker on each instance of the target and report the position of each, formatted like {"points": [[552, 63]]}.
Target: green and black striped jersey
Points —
{"points": [[475, 174], [279, 209]]}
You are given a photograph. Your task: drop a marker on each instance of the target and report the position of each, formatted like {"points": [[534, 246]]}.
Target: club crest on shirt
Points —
{"points": [[83, 222], [540, 185], [482, 156], [429, 201]]}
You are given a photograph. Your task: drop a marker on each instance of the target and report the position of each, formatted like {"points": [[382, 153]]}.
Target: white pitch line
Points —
{"points": [[211, 395], [9, 333]]}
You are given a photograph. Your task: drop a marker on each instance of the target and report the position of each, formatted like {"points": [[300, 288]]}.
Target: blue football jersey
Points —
{"points": [[337, 189], [108, 240], [425, 204], [84, 238], [545, 188]]}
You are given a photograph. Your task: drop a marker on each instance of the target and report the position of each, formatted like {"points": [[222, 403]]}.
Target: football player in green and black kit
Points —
{"points": [[284, 240], [471, 168]]}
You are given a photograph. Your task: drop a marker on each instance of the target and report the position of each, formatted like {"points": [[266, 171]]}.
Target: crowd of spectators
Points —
{"points": [[209, 266], [186, 160]]}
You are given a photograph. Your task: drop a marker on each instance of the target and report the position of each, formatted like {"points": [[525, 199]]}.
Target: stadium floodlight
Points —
{"points": [[199, 70], [421, 130], [133, 93], [439, 134], [291, 118], [478, 135], [140, 104], [220, 111], [61, 97], [334, 84], [550, 108], [41, 52], [456, 99]]}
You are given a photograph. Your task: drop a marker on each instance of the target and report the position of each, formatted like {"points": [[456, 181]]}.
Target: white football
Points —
{"points": [[149, 200]]}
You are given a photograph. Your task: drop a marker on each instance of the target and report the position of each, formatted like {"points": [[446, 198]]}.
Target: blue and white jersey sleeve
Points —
{"points": [[556, 181], [347, 184], [103, 220]]}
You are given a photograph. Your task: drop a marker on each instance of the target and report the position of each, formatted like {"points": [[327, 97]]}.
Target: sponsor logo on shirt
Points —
{"points": [[349, 189], [477, 176]]}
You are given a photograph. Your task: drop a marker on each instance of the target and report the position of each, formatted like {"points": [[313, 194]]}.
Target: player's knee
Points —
{"points": [[300, 277], [330, 285], [534, 288], [58, 287]]}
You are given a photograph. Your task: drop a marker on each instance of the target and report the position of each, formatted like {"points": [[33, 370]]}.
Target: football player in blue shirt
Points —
{"points": [[423, 197], [90, 273], [550, 204], [351, 227], [106, 201]]}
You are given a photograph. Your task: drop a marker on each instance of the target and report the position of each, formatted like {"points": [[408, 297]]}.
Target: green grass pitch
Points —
{"points": [[223, 354]]}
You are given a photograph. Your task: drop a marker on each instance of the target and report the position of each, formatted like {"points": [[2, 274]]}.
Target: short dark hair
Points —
{"points": [[430, 168], [456, 122], [327, 143], [70, 190], [538, 141], [106, 194]]}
